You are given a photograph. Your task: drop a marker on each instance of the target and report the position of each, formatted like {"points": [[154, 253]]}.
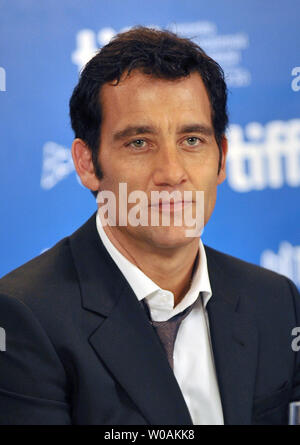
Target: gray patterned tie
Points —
{"points": [[167, 330]]}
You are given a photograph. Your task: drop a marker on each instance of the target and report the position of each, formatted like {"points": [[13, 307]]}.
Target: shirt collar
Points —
{"points": [[160, 301]]}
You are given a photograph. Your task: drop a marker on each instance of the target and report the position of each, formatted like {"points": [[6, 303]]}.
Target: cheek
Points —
{"points": [[205, 177], [112, 170], [207, 181], [114, 180], [210, 196]]}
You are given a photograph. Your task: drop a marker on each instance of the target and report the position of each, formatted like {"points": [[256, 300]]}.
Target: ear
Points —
{"points": [[82, 158], [222, 172]]}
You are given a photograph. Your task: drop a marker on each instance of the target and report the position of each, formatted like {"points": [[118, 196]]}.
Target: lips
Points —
{"points": [[171, 206]]}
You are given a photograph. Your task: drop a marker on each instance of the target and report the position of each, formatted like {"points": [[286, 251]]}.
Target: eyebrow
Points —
{"points": [[197, 128], [134, 130]]}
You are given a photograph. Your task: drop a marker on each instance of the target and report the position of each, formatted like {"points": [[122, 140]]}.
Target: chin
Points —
{"points": [[170, 237]]}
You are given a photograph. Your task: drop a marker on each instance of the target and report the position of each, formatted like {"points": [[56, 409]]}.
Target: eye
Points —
{"points": [[192, 141], [137, 143]]}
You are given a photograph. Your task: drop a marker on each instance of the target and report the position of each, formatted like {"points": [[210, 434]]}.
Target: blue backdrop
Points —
{"points": [[43, 45]]}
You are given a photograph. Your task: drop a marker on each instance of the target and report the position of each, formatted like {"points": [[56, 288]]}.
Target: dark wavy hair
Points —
{"points": [[161, 54]]}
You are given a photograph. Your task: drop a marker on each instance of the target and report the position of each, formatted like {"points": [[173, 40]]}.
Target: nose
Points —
{"points": [[169, 170]]}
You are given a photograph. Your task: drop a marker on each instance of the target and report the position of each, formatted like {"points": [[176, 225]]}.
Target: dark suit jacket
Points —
{"points": [[80, 349]]}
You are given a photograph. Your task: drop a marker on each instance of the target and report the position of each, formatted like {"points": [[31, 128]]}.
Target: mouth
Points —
{"points": [[171, 206]]}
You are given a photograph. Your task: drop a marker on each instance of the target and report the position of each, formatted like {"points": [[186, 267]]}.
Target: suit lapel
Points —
{"points": [[124, 339], [130, 348], [234, 342]]}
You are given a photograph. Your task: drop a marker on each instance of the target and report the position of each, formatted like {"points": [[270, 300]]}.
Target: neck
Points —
{"points": [[170, 269]]}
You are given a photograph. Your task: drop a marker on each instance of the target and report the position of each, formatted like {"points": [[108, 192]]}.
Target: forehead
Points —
{"points": [[144, 95]]}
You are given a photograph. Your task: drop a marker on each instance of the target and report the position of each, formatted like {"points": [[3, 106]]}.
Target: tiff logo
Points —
{"points": [[2, 340], [262, 156], [2, 79], [57, 164]]}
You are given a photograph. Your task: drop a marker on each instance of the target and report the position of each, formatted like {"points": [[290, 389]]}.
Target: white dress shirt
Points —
{"points": [[193, 357]]}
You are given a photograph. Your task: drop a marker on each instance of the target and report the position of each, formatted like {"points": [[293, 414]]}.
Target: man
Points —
{"points": [[125, 323]]}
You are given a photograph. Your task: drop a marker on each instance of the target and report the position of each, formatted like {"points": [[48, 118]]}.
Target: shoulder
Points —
{"points": [[35, 316], [235, 266], [47, 276], [247, 276], [261, 292]]}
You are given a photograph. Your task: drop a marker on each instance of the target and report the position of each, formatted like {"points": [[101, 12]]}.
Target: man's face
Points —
{"points": [[157, 135]]}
